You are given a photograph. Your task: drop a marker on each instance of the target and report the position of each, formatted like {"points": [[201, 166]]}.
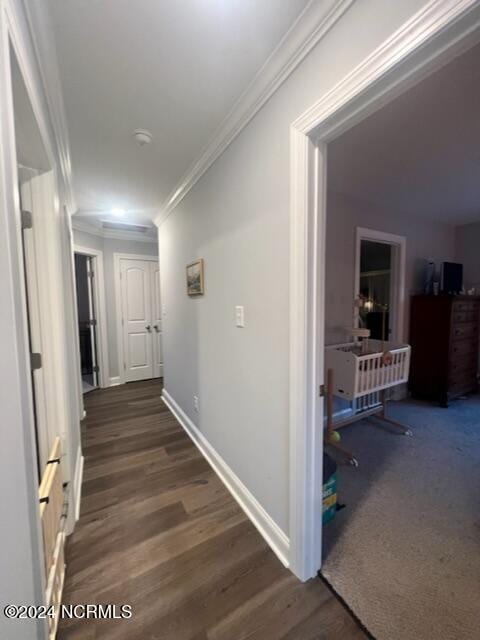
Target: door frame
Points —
{"points": [[432, 37], [398, 277], [98, 288], [117, 257]]}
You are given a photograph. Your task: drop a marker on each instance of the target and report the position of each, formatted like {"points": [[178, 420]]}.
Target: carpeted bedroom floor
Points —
{"points": [[405, 552]]}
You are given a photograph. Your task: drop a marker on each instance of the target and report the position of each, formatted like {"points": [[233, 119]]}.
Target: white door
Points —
{"points": [[157, 321], [39, 392], [136, 290]]}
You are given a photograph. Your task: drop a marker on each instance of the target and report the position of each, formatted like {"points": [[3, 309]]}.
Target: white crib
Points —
{"points": [[357, 374], [360, 371]]}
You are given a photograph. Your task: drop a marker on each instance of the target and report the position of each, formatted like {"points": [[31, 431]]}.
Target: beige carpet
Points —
{"points": [[405, 552]]}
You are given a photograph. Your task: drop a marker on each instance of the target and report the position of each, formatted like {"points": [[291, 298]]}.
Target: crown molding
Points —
{"points": [[110, 234], [314, 22], [434, 16], [43, 46]]}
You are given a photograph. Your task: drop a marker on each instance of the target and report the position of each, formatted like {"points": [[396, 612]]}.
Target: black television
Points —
{"points": [[451, 280]]}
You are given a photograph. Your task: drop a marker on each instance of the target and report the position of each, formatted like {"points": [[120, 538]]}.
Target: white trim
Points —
{"points": [[77, 487], [310, 27], [271, 532], [398, 270], [118, 304], [110, 234], [101, 307], [75, 493], [430, 38], [115, 381], [46, 60]]}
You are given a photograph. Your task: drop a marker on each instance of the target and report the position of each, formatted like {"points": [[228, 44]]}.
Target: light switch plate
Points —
{"points": [[239, 316]]}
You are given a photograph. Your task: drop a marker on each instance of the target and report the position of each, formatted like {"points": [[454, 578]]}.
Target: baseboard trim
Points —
{"points": [[271, 532], [77, 488], [115, 381]]}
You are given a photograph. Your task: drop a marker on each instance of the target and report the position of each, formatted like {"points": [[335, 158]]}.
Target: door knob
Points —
{"points": [[148, 327], [155, 326]]}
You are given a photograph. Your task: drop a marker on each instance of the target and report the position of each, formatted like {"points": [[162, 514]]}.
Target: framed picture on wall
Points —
{"points": [[195, 285]]}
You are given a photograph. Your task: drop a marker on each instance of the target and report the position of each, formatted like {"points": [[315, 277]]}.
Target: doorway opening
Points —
{"points": [[361, 279], [424, 45], [91, 317], [35, 188], [87, 321], [379, 287]]}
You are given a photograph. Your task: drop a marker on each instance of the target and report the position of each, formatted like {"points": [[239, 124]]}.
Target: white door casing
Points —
{"points": [[434, 35], [156, 320], [100, 310], [136, 290], [92, 319]]}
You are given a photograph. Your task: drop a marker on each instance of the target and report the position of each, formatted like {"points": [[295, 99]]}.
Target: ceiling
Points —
{"points": [[420, 154], [175, 68]]}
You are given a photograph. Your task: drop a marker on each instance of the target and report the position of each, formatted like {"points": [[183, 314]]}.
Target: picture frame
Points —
{"points": [[195, 279]]}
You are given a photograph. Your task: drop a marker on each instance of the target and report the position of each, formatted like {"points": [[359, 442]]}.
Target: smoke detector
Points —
{"points": [[142, 137]]}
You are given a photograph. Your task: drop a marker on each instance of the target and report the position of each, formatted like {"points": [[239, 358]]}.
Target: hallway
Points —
{"points": [[158, 531]]}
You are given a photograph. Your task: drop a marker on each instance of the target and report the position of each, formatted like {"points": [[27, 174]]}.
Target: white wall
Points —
{"points": [[426, 240], [467, 251], [110, 246], [237, 219]]}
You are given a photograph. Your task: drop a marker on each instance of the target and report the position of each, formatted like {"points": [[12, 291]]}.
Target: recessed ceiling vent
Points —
{"points": [[124, 226]]}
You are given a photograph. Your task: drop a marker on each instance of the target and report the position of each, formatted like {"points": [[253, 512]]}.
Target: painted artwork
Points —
{"points": [[195, 278]]}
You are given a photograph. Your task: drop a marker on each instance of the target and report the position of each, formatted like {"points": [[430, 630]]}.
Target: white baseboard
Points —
{"points": [[270, 531], [77, 484], [115, 381]]}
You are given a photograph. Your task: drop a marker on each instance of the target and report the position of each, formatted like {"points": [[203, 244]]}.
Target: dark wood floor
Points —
{"points": [[158, 531]]}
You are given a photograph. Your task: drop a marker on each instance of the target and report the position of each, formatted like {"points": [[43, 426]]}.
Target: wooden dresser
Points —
{"points": [[444, 335]]}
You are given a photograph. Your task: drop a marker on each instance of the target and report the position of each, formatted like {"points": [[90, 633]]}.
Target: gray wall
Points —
{"points": [[467, 251], [426, 240], [109, 247], [237, 219]]}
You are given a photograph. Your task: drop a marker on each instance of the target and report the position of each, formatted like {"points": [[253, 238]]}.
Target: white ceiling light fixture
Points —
{"points": [[142, 137], [119, 213]]}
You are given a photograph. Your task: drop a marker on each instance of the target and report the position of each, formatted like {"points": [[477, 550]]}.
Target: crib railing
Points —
{"points": [[357, 374], [379, 371]]}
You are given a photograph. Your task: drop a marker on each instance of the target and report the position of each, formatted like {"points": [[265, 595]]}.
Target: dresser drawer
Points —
{"points": [[465, 330], [462, 347], [466, 305], [463, 384], [462, 363], [465, 316]]}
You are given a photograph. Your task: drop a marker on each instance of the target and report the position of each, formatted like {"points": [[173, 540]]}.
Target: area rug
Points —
{"points": [[404, 554]]}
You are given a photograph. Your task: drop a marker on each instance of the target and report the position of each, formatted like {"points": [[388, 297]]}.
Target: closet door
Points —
{"points": [[157, 321], [137, 319]]}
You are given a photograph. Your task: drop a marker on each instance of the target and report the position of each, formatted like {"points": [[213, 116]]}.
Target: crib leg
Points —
{"points": [[350, 457], [401, 428], [329, 403], [328, 439]]}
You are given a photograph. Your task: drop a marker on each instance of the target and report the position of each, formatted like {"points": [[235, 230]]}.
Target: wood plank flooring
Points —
{"points": [[159, 531]]}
